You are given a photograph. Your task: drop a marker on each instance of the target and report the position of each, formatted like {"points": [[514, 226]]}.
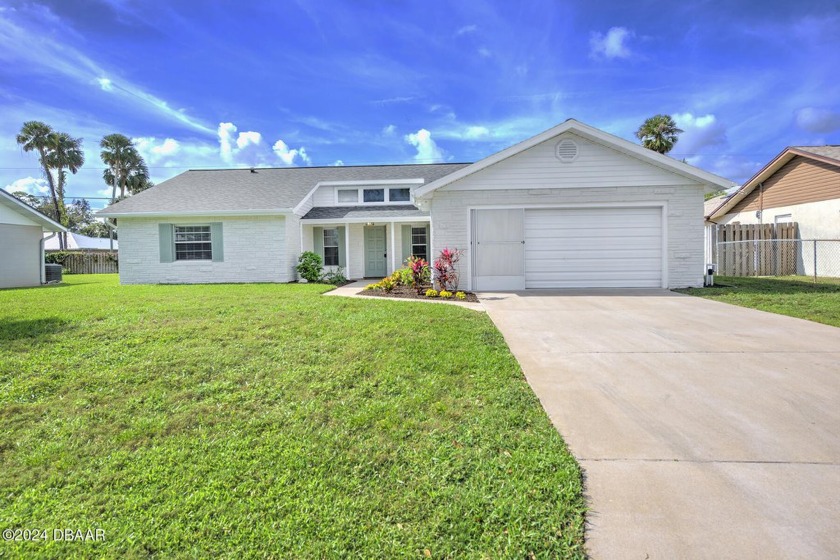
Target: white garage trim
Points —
{"points": [[661, 205]]}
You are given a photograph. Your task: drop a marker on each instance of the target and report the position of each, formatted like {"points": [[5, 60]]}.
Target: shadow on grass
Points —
{"points": [[32, 328], [46, 286], [737, 285]]}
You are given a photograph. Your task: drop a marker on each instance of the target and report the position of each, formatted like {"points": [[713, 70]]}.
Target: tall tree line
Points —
{"points": [[59, 153]]}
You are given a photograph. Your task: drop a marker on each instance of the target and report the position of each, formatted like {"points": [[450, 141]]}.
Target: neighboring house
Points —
{"points": [[79, 242], [22, 242], [801, 184], [571, 207]]}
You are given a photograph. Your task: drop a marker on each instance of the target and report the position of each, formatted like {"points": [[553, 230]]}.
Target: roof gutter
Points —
{"points": [[170, 214]]}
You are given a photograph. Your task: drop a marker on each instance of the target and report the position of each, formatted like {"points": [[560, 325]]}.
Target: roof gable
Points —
{"points": [[595, 137], [19, 207], [592, 165], [783, 164]]}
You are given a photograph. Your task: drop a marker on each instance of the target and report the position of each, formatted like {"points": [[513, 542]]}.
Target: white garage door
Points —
{"points": [[593, 248]]}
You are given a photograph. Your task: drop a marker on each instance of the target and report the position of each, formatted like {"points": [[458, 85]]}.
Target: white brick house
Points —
{"points": [[571, 207]]}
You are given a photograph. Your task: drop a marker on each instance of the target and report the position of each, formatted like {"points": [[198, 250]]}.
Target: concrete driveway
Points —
{"points": [[704, 430]]}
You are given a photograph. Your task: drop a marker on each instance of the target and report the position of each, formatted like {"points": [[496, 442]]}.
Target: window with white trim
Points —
{"points": [[330, 247], [374, 195], [193, 243], [419, 243], [347, 196], [399, 195]]}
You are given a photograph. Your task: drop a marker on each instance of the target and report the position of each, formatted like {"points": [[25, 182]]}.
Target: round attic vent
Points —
{"points": [[566, 150]]}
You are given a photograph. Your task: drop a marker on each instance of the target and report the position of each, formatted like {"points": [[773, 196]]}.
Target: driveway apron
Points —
{"points": [[704, 430]]}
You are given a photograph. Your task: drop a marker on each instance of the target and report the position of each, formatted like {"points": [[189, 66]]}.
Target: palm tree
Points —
{"points": [[659, 133], [35, 136], [126, 168], [65, 154]]}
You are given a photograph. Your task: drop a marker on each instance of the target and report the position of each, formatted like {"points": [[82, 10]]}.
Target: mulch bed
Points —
{"points": [[407, 292]]}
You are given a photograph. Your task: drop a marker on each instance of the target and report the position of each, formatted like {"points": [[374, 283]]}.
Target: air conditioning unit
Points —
{"points": [[52, 273]]}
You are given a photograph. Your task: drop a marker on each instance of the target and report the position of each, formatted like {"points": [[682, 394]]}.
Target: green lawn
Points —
{"points": [[268, 421], [797, 296]]}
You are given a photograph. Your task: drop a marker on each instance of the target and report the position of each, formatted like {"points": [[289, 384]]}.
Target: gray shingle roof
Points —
{"points": [[825, 151], [364, 212], [232, 190], [713, 203]]}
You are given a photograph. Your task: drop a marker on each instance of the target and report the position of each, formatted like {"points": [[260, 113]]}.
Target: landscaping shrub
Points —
{"points": [[420, 272], [460, 295], [444, 294], [309, 266], [404, 276], [335, 277], [445, 271], [431, 292], [387, 284]]}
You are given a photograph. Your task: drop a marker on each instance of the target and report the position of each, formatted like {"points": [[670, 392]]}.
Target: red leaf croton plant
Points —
{"points": [[419, 272], [445, 272]]}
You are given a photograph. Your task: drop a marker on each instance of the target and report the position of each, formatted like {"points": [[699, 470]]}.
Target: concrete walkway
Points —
{"points": [[704, 430]]}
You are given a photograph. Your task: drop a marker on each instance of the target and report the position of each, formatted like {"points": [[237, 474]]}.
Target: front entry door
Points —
{"points": [[376, 259]]}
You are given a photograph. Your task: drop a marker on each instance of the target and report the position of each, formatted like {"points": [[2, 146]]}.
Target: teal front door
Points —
{"points": [[375, 257]]}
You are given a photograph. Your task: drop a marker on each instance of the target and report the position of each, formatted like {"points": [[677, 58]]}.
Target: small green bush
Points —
{"points": [[309, 266], [335, 277], [404, 276], [388, 284]]}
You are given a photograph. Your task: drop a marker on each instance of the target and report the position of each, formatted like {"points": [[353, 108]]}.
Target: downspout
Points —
{"points": [[111, 227], [761, 203], [41, 256], [300, 226]]}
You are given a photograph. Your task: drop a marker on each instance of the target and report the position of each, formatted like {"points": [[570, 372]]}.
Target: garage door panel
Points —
{"points": [[620, 266], [614, 234], [593, 247]]}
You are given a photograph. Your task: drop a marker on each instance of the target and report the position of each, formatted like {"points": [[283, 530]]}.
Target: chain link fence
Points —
{"points": [[816, 258]]}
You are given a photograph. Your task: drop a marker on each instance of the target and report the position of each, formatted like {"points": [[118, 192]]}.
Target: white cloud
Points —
{"points": [[427, 150], [288, 156], [244, 149], [475, 132], [699, 132], [466, 29], [154, 152], [389, 130], [484, 52], [51, 56], [338, 163], [612, 44], [234, 149], [169, 147], [248, 138], [394, 100], [29, 185], [818, 120]]}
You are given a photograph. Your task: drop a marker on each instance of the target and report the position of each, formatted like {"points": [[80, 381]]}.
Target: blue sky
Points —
{"points": [[271, 83]]}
